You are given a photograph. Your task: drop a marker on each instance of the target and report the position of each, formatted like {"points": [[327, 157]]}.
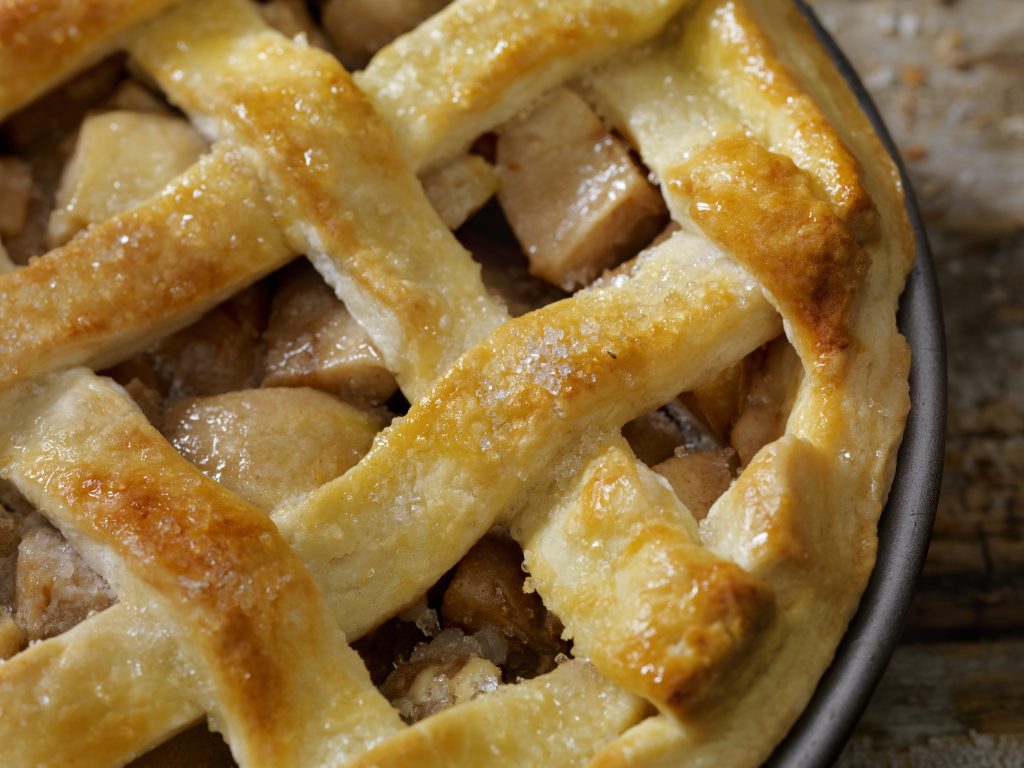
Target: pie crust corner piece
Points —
{"points": [[679, 610]]}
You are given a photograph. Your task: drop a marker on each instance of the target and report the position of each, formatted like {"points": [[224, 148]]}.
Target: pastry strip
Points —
{"points": [[713, 73], [501, 729], [513, 411], [99, 694], [339, 189], [103, 713], [618, 529], [212, 44], [804, 513], [128, 281], [271, 667], [45, 41], [735, 57], [477, 63]]}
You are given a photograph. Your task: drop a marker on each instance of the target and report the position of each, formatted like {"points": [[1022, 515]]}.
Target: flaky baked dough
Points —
{"points": [[739, 616]]}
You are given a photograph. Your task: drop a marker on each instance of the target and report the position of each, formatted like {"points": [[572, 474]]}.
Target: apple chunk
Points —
{"points": [[313, 341], [575, 199], [120, 159]]}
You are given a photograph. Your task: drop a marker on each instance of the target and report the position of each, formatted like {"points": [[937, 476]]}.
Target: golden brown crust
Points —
{"points": [[510, 409], [682, 618], [760, 207], [532, 723], [725, 44], [44, 41], [796, 46], [141, 518], [351, 205], [471, 67], [95, 708], [211, 564], [731, 621], [176, 255]]}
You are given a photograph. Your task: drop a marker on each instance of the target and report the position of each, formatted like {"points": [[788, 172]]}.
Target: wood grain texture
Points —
{"points": [[946, 704], [948, 76]]}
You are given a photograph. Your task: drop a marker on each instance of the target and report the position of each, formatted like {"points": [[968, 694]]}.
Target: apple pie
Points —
{"points": [[425, 383]]}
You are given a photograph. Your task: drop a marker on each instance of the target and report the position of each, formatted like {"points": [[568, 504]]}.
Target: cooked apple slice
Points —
{"points": [[768, 402], [699, 477], [6, 265], [313, 341], [247, 440], [121, 158], [575, 199], [15, 192], [291, 18], [360, 28], [220, 352], [460, 188], [55, 588]]}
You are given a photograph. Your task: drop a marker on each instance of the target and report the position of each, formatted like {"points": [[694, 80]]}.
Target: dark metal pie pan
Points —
{"points": [[818, 737]]}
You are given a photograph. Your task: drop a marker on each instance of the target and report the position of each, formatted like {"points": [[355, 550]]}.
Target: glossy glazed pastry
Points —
{"points": [[678, 610]]}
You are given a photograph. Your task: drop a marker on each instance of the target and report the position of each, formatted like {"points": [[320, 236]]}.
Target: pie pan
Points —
{"points": [[835, 708], [905, 526]]}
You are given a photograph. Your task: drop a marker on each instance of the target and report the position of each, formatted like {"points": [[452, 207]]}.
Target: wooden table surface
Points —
{"points": [[948, 76]]}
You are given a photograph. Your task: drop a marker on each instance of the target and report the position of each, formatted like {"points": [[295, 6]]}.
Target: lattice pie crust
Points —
{"points": [[696, 643]]}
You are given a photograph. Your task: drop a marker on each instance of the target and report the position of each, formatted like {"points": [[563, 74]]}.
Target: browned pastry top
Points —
{"points": [[702, 598]]}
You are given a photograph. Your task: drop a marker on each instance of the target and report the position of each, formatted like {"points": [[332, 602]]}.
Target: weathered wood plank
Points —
{"points": [[946, 704], [946, 74], [973, 750], [974, 578], [949, 78]]}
